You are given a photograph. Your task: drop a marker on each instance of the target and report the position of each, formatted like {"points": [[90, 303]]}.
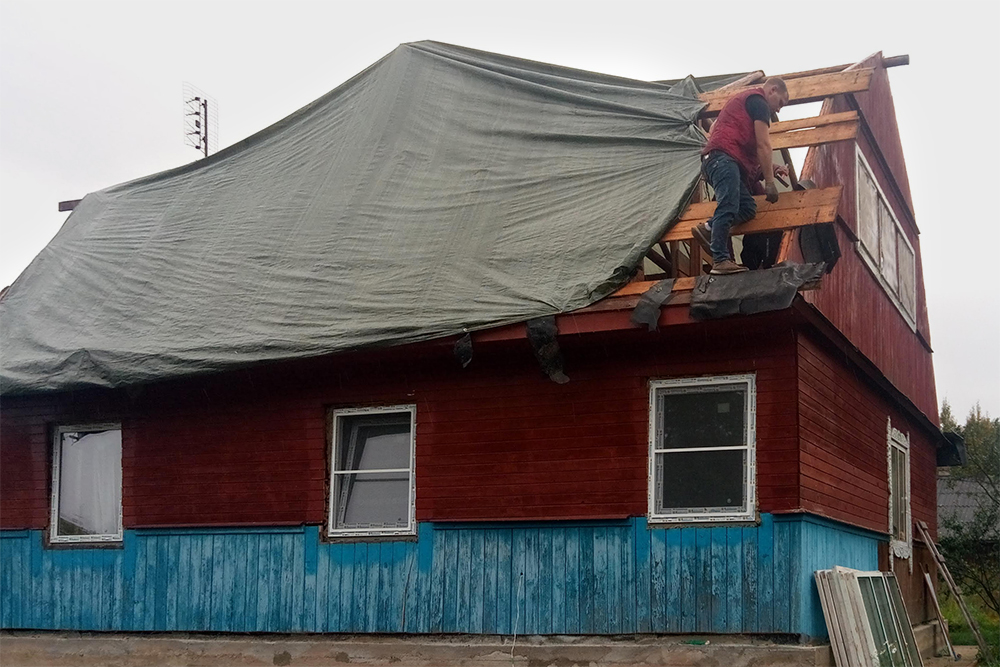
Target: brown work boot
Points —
{"points": [[702, 233], [726, 267]]}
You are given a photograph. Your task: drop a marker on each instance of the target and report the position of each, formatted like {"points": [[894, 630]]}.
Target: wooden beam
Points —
{"points": [[787, 200], [893, 61], [751, 78], [642, 286], [812, 72], [800, 91], [815, 136], [793, 209], [659, 260], [786, 246], [813, 121]]}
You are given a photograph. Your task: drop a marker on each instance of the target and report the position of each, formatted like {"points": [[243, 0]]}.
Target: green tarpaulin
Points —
{"points": [[441, 189]]}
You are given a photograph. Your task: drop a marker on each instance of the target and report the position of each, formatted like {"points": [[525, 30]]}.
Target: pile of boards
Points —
{"points": [[866, 619]]}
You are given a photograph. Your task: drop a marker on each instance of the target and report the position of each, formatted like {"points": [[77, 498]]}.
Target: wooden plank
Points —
{"points": [[560, 577], [688, 554], [813, 121], [799, 209], [802, 90], [734, 579], [781, 604], [826, 134], [659, 260], [892, 61], [742, 82], [940, 617], [477, 589], [785, 247], [798, 199], [716, 583], [946, 575], [750, 574], [643, 572]]}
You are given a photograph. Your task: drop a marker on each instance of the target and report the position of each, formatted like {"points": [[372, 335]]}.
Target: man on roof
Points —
{"points": [[735, 160]]}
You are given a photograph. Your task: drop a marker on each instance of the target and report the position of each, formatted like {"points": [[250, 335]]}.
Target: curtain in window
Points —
{"points": [[90, 483]]}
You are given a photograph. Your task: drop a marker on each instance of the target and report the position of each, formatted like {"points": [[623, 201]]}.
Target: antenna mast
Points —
{"points": [[201, 126]]}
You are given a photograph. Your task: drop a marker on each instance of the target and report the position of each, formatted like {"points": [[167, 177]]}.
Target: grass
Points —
{"points": [[961, 633]]}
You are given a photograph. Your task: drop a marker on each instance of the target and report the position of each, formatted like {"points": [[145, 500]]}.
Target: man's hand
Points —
{"points": [[781, 171], [771, 192]]}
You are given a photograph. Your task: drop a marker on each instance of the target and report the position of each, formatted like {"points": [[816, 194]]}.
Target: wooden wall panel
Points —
{"points": [[562, 578], [843, 467], [495, 441], [26, 449]]}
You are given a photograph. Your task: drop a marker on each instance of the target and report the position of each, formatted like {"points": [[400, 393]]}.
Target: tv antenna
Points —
{"points": [[201, 120]]}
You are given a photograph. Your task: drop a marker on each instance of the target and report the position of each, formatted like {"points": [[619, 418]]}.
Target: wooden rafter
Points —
{"points": [[824, 134], [793, 209], [814, 121], [802, 90], [892, 61], [749, 79]]}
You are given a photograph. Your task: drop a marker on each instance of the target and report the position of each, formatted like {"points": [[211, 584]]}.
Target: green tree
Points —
{"points": [[972, 546]]}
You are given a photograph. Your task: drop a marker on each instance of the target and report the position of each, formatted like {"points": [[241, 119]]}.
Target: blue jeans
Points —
{"points": [[734, 203]]}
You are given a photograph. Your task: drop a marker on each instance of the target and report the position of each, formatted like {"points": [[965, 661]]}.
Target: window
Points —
{"points": [[702, 449], [900, 528], [372, 485], [866, 617], [883, 245], [87, 484]]}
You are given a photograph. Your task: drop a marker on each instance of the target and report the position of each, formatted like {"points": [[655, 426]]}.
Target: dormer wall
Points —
{"points": [[856, 298]]}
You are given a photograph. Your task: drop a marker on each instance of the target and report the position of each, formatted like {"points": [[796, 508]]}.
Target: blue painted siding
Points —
{"points": [[824, 544], [562, 578]]}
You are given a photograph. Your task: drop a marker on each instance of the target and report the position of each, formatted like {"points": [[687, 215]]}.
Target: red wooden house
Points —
{"points": [[272, 478]]}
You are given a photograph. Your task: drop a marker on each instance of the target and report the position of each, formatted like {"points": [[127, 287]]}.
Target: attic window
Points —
{"points": [[87, 484], [702, 449], [372, 485], [883, 244]]}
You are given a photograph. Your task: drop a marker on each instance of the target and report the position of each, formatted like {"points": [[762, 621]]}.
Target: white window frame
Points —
{"points": [[54, 536], [701, 384], [335, 432], [872, 257], [899, 441]]}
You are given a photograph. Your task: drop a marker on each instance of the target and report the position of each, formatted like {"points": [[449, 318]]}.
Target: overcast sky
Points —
{"points": [[90, 96]]}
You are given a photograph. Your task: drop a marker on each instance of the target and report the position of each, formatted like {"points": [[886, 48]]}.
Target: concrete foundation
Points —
{"points": [[127, 650]]}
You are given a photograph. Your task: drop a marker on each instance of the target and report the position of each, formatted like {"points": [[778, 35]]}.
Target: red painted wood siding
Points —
{"points": [[851, 297], [495, 441], [25, 450], [842, 419]]}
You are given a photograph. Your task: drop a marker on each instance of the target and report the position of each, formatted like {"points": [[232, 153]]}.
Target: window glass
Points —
{"points": [[907, 276], [378, 500], [868, 212], [375, 443], [713, 480], [898, 459], [371, 489], [883, 245], [909, 641], [887, 246], [701, 449], [709, 419], [88, 472]]}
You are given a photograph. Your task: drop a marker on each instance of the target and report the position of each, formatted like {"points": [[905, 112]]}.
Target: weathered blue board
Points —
{"points": [[562, 578]]}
